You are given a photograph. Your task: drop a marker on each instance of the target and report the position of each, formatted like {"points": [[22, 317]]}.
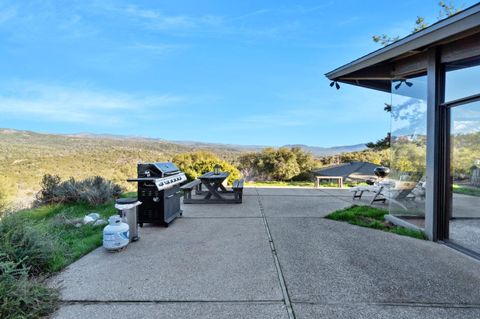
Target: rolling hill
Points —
{"points": [[26, 156]]}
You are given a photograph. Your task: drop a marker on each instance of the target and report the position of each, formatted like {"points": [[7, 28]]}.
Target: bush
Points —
{"points": [[282, 164], [197, 163], [97, 190], [26, 246], [3, 200], [379, 157], [93, 190], [22, 297]]}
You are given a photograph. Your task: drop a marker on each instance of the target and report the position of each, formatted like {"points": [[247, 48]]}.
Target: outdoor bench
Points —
{"points": [[238, 189], [187, 188]]}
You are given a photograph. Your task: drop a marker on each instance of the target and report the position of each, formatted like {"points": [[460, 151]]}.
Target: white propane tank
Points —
{"points": [[115, 234]]}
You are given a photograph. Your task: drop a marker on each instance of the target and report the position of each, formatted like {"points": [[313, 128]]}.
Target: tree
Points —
{"points": [[282, 164], [410, 156], [194, 164], [381, 144], [446, 10]]}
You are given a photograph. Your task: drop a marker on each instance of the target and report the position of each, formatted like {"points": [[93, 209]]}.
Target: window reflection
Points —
{"points": [[465, 173], [408, 149], [462, 80]]}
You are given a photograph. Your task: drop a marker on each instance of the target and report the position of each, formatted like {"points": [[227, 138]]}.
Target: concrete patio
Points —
{"points": [[273, 256]]}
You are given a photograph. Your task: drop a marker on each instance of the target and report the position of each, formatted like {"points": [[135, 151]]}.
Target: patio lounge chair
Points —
{"points": [[400, 192], [395, 191]]}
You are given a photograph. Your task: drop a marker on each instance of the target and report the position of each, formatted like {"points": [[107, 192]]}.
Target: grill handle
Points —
{"points": [[174, 194]]}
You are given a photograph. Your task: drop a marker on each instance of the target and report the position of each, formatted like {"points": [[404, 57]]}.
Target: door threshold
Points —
{"points": [[460, 248]]}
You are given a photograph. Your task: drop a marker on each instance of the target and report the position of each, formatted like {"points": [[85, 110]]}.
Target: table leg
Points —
{"points": [[223, 189], [212, 190]]}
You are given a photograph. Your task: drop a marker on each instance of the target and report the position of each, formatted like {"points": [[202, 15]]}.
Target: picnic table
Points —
{"points": [[215, 190], [214, 184]]}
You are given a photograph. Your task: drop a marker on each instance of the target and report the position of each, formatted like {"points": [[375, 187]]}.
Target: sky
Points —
{"points": [[237, 72]]}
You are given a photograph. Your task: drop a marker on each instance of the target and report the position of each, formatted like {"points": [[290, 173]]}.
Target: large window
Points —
{"points": [[408, 149], [462, 83], [462, 80]]}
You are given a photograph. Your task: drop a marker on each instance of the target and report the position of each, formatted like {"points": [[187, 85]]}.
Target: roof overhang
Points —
{"points": [[408, 55]]}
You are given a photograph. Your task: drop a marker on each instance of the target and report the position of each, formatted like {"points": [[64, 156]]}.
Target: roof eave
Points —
{"points": [[461, 22]]}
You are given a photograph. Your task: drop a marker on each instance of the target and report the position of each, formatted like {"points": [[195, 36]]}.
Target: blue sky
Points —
{"points": [[243, 72]]}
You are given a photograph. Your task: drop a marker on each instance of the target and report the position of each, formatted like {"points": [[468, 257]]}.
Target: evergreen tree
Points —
{"points": [[446, 10]]}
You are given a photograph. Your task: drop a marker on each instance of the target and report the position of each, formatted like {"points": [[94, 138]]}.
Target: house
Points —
{"points": [[433, 78], [354, 171]]}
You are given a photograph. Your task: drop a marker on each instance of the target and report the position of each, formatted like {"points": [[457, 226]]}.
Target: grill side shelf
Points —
{"points": [[142, 179]]}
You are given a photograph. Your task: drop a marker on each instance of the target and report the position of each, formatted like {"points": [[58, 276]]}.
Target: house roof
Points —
{"points": [[438, 33], [347, 169]]}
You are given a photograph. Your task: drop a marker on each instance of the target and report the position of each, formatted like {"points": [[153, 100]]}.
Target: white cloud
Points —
{"points": [[157, 20], [7, 13], [465, 127], [77, 104], [157, 48], [210, 24], [252, 14]]}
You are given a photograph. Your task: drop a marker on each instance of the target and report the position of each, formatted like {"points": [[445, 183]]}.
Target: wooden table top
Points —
{"points": [[212, 175]]}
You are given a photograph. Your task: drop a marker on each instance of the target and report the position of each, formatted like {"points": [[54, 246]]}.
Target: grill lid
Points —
{"points": [[157, 169]]}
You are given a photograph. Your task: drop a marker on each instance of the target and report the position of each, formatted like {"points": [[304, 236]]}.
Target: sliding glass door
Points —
{"points": [[462, 96]]}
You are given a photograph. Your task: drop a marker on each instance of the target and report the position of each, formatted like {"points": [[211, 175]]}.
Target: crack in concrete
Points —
{"points": [[281, 278], [126, 301], [393, 304]]}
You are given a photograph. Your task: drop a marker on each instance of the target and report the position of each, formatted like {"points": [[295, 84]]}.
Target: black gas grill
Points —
{"points": [[159, 192]]}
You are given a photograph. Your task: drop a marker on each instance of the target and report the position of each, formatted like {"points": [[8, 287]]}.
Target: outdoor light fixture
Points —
{"points": [[337, 86], [409, 84], [216, 169]]}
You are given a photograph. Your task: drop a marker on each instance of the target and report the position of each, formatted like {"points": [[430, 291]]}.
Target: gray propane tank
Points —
{"points": [[115, 234]]}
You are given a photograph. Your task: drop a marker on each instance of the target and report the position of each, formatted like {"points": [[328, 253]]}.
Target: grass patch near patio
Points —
{"points": [[372, 217], [72, 242], [301, 184], [466, 190], [280, 184], [38, 242]]}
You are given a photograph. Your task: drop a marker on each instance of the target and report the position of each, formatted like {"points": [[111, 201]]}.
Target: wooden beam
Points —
{"points": [[412, 65], [462, 49], [377, 72], [384, 86]]}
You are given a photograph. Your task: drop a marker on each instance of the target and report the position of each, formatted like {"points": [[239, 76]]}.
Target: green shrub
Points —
{"points": [[49, 186], [373, 156], [93, 190], [23, 297], [97, 190], [197, 163], [3, 200], [282, 164], [26, 246]]}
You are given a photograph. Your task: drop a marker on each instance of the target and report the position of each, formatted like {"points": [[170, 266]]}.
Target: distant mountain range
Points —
{"points": [[325, 151], [315, 150], [25, 156]]}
